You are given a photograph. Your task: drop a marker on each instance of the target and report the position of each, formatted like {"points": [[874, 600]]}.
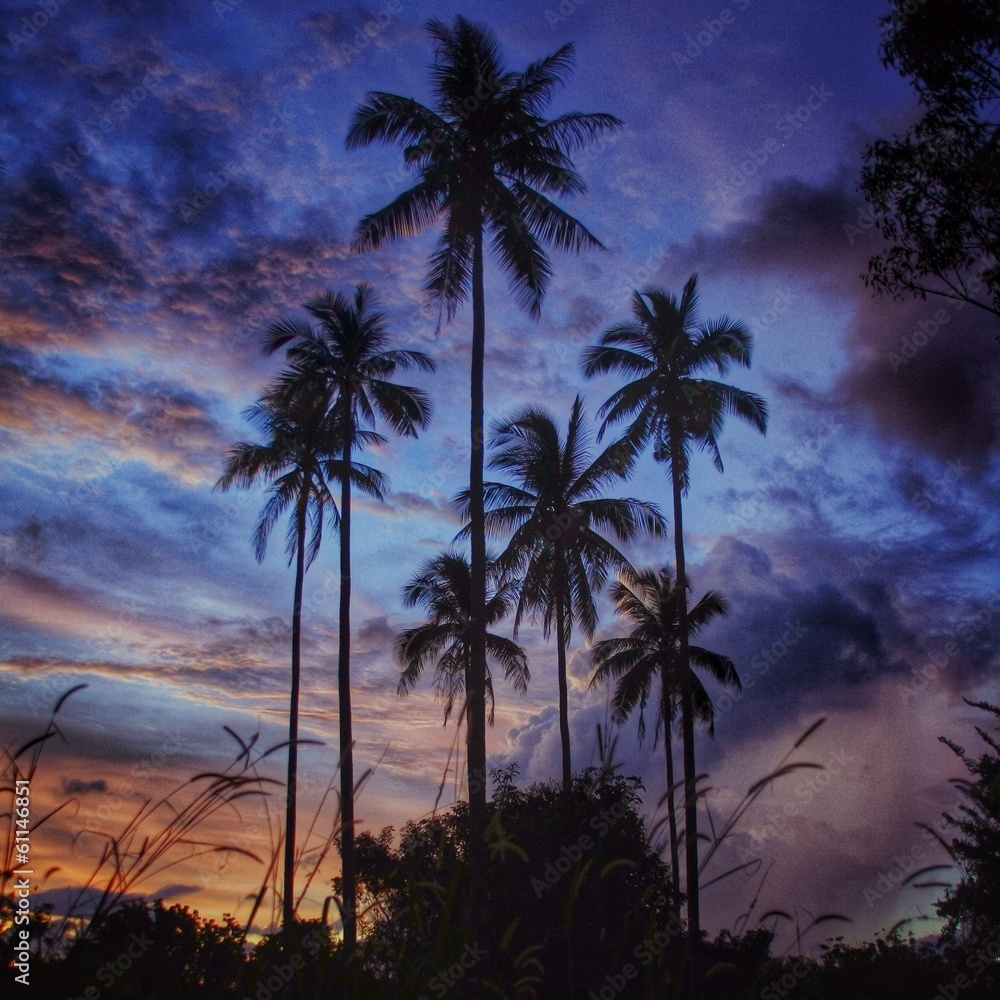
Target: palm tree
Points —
{"points": [[346, 361], [442, 587], [485, 160], [554, 516], [650, 651], [301, 455], [663, 351]]}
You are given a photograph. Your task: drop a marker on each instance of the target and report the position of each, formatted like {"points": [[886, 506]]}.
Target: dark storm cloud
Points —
{"points": [[147, 158], [66, 243], [78, 786], [376, 634], [925, 372], [793, 227], [228, 301], [804, 645], [791, 639], [917, 371]]}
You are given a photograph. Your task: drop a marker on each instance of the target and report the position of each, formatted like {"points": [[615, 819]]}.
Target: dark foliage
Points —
{"points": [[972, 906], [935, 191], [577, 894]]}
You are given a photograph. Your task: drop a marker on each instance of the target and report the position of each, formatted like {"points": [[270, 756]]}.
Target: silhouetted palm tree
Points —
{"points": [[669, 406], [300, 456], [442, 587], [346, 360], [650, 652], [554, 516], [485, 160]]}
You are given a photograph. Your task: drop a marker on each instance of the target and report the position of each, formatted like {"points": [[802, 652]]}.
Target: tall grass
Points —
{"points": [[162, 832]]}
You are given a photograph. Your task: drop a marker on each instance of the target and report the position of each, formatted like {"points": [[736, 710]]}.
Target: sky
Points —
{"points": [[175, 179]]}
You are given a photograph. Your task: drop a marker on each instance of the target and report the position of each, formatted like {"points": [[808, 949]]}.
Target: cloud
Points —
{"points": [[922, 371], [167, 425], [918, 372], [792, 227], [77, 786]]}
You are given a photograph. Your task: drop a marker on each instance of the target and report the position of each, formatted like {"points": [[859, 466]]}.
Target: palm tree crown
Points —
{"points": [[300, 457], [668, 404], [443, 587], [347, 359], [484, 157], [650, 651], [555, 516]]}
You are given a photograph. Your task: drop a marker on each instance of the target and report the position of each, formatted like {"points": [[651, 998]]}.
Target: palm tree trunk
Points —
{"points": [[668, 749], [348, 872], [687, 714], [288, 893], [567, 768], [476, 692]]}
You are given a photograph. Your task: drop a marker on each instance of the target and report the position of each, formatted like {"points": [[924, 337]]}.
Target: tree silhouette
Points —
{"points": [[648, 599], [971, 907], [445, 639], [935, 190], [668, 406], [345, 362], [554, 516], [485, 160], [301, 455]]}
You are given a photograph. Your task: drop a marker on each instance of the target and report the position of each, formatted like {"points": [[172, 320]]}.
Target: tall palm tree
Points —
{"points": [[555, 515], [485, 161], [648, 600], [442, 587], [669, 405], [346, 360], [301, 455]]}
